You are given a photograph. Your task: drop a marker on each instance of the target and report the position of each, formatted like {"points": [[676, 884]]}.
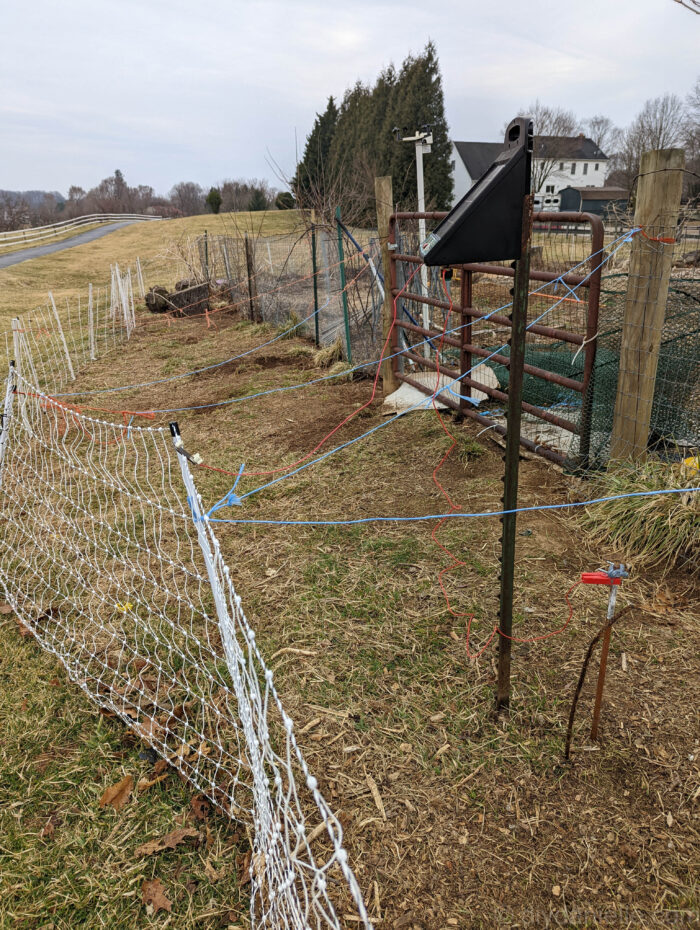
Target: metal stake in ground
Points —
{"points": [[614, 574], [512, 456]]}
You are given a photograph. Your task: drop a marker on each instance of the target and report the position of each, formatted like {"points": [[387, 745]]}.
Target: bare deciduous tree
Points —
{"points": [[188, 197], [551, 125], [603, 132], [659, 125]]}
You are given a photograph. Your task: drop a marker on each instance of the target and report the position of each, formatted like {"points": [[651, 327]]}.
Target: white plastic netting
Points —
{"points": [[106, 558]]}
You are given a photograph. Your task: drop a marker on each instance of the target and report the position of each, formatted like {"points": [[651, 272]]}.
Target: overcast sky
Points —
{"points": [[172, 90]]}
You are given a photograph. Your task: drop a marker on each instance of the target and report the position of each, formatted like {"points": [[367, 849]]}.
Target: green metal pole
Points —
{"points": [[512, 456], [206, 253], [315, 270], [341, 259]]}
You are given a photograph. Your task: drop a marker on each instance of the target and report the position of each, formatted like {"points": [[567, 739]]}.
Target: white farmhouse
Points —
{"points": [[558, 162]]}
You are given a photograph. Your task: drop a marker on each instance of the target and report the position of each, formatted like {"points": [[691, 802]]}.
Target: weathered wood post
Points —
{"points": [[656, 212], [384, 195], [253, 300]]}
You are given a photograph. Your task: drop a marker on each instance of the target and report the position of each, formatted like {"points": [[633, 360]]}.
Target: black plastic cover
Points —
{"points": [[486, 224]]}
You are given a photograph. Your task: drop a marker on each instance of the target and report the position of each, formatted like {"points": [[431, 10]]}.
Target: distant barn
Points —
{"points": [[598, 200]]}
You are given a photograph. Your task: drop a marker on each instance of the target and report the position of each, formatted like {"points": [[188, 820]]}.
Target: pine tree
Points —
{"points": [[313, 168], [213, 200], [417, 102], [348, 147], [258, 200]]}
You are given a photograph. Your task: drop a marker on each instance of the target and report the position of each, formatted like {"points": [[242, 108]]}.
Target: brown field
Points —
{"points": [[480, 822]]}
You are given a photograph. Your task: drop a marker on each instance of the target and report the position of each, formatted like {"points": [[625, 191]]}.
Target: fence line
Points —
{"points": [[15, 237], [139, 605]]}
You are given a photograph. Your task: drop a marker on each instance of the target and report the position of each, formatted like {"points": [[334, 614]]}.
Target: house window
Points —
{"points": [[561, 165], [596, 166], [549, 189], [585, 167], [573, 167]]}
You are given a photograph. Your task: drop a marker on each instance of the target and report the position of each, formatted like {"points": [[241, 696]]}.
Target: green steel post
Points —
{"points": [[315, 271], [512, 456], [206, 253], [341, 259]]}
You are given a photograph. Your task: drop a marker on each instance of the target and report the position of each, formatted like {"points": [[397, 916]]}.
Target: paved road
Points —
{"points": [[14, 258]]}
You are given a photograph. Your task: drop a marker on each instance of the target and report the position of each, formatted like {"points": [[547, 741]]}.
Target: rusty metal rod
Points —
{"points": [[504, 360], [603, 663], [528, 444], [562, 335], [546, 276], [492, 392]]}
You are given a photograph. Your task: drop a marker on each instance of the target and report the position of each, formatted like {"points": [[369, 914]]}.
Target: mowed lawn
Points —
{"points": [[479, 823]]}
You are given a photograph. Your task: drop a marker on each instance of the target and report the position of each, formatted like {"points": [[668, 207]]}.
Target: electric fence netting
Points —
{"points": [[107, 559]]}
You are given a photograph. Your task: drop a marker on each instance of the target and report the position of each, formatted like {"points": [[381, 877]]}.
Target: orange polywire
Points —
{"points": [[347, 419]]}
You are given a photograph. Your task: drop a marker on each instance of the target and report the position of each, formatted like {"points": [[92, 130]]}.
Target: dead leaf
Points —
{"points": [[243, 866], [145, 783], [117, 795], [23, 630], [211, 872], [154, 895], [5, 609], [49, 827], [372, 785], [169, 841], [162, 765], [556, 890], [200, 807]]}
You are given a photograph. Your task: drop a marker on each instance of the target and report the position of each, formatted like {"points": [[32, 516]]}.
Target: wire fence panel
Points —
{"points": [[107, 559]]}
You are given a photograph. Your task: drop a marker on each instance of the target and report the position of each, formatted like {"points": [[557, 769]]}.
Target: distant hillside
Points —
{"points": [[32, 198]]}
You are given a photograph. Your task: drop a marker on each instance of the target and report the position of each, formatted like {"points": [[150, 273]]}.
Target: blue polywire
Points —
{"points": [[626, 237], [416, 406], [486, 513], [196, 371]]}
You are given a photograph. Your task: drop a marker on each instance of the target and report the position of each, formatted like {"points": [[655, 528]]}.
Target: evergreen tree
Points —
{"points": [[417, 101], [284, 201], [258, 200], [213, 200], [341, 164], [311, 171]]}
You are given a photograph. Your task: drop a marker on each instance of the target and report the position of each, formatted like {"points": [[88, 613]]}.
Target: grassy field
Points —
{"points": [[69, 272], [481, 823]]}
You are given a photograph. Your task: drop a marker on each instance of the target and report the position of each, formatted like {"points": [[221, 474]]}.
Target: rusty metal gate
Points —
{"points": [[561, 241]]}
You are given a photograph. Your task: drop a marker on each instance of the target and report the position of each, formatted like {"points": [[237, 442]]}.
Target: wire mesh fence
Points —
{"points": [[107, 558], [590, 324]]}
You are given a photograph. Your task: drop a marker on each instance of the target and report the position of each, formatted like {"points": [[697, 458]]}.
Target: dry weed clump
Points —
{"points": [[660, 532]]}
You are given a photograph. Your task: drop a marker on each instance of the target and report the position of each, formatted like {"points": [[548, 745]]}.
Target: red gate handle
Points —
{"points": [[599, 578]]}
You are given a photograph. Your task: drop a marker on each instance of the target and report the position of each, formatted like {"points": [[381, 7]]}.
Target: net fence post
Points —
{"points": [[91, 325], [62, 337], [275, 869], [10, 388]]}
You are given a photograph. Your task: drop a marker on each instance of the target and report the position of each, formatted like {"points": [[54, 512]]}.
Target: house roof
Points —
{"points": [[574, 147], [478, 156], [599, 193]]}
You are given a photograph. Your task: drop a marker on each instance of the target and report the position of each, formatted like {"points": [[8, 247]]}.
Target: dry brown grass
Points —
{"points": [[68, 273], [453, 817]]}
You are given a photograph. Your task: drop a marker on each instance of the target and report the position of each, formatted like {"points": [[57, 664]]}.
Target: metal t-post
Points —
{"points": [[420, 147], [314, 268], [512, 456], [343, 285]]}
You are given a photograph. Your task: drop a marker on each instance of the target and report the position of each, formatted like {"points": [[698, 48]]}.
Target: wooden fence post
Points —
{"points": [[384, 195], [656, 212], [253, 298]]}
